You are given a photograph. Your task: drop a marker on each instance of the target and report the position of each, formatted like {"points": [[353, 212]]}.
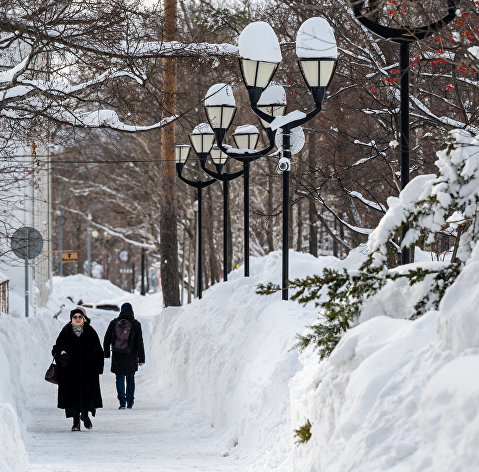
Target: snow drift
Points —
{"points": [[396, 395]]}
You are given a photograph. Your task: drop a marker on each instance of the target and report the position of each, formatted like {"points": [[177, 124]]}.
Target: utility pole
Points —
{"points": [[168, 235]]}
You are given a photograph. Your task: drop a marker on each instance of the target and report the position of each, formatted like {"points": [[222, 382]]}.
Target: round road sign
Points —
{"points": [[26, 243]]}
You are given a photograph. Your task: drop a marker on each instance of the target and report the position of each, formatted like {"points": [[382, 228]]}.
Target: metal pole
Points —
{"points": [[404, 129], [60, 241], [133, 278], [143, 256], [287, 155], [225, 230], [196, 245], [200, 261], [26, 288], [246, 216], [89, 243]]}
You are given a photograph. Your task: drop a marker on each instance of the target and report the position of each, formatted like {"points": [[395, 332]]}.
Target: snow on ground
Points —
{"points": [[223, 391], [230, 413], [396, 395]]}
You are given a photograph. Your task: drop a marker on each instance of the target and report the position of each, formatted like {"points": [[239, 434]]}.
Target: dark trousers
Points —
{"points": [[129, 396], [72, 412]]}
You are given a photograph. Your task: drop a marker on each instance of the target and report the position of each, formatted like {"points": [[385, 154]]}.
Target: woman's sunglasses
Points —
{"points": [[79, 317]]}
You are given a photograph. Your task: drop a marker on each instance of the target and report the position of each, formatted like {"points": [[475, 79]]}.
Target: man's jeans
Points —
{"points": [[130, 388]]}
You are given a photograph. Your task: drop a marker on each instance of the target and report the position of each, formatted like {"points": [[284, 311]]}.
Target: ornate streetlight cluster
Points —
{"points": [[260, 56]]}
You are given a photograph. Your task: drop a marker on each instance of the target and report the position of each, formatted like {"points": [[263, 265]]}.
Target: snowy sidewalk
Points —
{"points": [[147, 438]]}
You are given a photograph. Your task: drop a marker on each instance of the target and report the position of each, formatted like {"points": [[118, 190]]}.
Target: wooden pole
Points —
{"points": [[168, 233]]}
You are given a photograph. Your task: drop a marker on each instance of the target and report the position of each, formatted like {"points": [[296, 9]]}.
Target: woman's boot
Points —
{"points": [[76, 423], [86, 420]]}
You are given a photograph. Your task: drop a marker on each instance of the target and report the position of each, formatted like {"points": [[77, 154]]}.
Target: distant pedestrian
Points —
{"points": [[126, 340], [79, 357]]}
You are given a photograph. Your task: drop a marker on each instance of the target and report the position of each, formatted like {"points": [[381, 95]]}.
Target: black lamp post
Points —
{"points": [[317, 53], [220, 109], [219, 158], [404, 37], [202, 139]]}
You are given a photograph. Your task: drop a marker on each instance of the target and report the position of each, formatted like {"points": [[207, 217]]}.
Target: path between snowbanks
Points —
{"points": [[213, 395]]}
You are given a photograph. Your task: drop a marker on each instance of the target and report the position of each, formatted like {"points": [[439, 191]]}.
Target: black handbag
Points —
{"points": [[51, 375]]}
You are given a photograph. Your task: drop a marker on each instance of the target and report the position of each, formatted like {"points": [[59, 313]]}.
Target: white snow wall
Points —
{"points": [[24, 347], [231, 351]]}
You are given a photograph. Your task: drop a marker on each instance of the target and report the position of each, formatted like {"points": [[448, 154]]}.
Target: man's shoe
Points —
{"points": [[130, 405], [76, 423], [86, 421], [121, 407]]}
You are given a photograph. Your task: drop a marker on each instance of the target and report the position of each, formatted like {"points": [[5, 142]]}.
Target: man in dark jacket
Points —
{"points": [[125, 338]]}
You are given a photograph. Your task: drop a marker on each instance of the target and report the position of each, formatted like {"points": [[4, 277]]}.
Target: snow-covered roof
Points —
{"points": [[315, 38], [273, 94], [202, 128], [220, 94], [258, 42], [246, 129]]}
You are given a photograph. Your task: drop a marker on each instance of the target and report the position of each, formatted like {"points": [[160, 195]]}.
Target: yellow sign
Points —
{"points": [[69, 257]]}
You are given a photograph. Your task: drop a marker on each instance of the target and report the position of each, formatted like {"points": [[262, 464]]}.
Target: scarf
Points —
{"points": [[78, 330]]}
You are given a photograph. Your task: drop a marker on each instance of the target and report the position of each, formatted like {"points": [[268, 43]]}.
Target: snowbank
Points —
{"points": [[396, 395], [231, 351], [25, 345], [24, 353]]}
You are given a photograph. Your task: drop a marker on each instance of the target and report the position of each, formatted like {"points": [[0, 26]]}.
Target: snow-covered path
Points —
{"points": [[153, 436], [150, 437]]}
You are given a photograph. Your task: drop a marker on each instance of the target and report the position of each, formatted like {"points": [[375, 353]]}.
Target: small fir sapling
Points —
{"points": [[429, 204], [303, 434]]}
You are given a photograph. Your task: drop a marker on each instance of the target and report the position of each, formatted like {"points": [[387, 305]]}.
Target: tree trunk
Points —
{"points": [[168, 216]]}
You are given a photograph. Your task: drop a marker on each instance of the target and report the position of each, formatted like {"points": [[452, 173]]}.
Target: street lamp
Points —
{"points": [[219, 158], [220, 96], [201, 139], [317, 53], [260, 56], [404, 37]]}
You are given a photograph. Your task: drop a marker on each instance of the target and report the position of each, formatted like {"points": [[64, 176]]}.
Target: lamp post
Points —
{"points": [[404, 37], [143, 265], [89, 230], [220, 109], [60, 240], [201, 139], [219, 158], [260, 56]]}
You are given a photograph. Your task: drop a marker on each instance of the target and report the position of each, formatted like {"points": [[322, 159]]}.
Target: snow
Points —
{"points": [[258, 42], [315, 38], [246, 129], [220, 94], [202, 128], [222, 390], [474, 51], [280, 121], [109, 119], [273, 94]]}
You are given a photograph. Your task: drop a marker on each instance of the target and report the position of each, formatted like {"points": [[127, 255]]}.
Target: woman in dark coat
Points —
{"points": [[79, 356]]}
